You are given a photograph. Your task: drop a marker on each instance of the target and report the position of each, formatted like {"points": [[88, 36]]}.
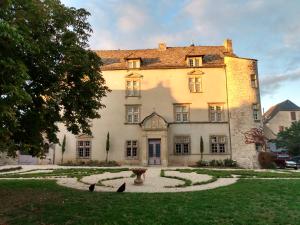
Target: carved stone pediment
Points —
{"points": [[84, 136], [154, 122], [133, 75], [196, 72]]}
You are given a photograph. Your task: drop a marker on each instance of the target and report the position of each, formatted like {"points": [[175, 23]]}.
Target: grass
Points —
{"points": [[186, 183], [243, 173], [10, 169], [246, 202], [74, 172]]}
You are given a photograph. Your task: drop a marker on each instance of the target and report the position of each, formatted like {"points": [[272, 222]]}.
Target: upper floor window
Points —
{"points": [[84, 149], [253, 80], [132, 113], [182, 145], [293, 116], [131, 149], [218, 144], [134, 63], [133, 87], [181, 112], [280, 128], [194, 61], [195, 84], [255, 108], [216, 112]]}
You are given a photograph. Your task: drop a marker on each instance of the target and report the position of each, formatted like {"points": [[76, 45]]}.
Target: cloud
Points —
{"points": [[131, 18], [272, 83]]}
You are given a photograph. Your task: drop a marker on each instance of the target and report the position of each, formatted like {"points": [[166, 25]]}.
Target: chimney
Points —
{"points": [[228, 45], [162, 46]]}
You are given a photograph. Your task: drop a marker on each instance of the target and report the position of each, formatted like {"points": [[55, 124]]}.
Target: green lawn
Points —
{"points": [[246, 202]]}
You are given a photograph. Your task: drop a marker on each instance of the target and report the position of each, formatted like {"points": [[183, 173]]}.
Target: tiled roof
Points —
{"points": [[172, 57], [287, 105]]}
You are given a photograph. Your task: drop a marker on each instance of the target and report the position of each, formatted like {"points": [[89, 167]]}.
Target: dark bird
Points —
{"points": [[92, 187], [122, 188]]}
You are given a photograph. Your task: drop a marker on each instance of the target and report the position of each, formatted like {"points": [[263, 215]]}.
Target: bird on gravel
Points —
{"points": [[122, 188], [92, 187]]}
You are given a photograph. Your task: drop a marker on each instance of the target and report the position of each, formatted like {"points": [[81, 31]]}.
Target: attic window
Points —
{"points": [[194, 61], [134, 63]]}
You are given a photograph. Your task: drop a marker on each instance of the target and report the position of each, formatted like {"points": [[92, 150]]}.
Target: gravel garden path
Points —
{"points": [[153, 181]]}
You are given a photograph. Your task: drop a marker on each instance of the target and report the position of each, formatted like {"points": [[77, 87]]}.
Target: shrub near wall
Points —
{"points": [[217, 163], [266, 160]]}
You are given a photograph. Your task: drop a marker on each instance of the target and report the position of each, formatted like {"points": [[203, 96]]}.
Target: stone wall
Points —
{"points": [[241, 97]]}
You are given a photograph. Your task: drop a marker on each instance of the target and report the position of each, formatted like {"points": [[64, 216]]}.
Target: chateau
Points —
{"points": [[164, 100]]}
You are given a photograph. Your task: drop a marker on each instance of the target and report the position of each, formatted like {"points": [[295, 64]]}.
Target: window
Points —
{"points": [[195, 84], [131, 148], [134, 64], [216, 112], [84, 149], [255, 109], [217, 144], [133, 87], [181, 112], [293, 116], [194, 61], [182, 145], [280, 128], [132, 113], [253, 81]]}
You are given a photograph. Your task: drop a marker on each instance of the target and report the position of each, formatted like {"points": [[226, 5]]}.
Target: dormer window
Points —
{"points": [[134, 63], [194, 61]]}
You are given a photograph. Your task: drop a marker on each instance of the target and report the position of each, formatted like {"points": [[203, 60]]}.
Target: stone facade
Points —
{"points": [[164, 82]]}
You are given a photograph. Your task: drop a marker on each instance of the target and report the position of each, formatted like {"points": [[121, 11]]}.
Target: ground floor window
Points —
{"points": [[131, 148], [182, 145], [218, 144], [84, 149]]}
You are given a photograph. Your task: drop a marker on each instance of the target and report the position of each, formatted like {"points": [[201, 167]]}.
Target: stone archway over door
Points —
{"points": [[154, 145]]}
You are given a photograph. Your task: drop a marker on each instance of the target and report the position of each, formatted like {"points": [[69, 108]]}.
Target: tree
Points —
{"points": [[48, 75], [256, 136], [289, 138], [201, 147], [107, 146], [63, 149]]}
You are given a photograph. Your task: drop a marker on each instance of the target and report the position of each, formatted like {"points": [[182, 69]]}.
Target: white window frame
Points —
{"points": [[84, 146], [216, 112], [194, 61], [218, 144], [131, 147], [132, 114], [255, 110], [181, 113], [195, 84], [133, 90], [134, 63], [253, 79], [182, 145]]}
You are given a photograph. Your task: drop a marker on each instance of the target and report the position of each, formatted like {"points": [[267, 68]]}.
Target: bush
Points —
{"points": [[92, 163], [202, 163], [266, 160], [230, 163]]}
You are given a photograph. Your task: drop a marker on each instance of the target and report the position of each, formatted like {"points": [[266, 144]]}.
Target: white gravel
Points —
{"points": [[153, 182]]}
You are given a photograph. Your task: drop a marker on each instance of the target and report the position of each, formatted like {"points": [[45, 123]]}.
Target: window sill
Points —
{"points": [[131, 158], [257, 121], [129, 96], [132, 123], [196, 92], [78, 157]]}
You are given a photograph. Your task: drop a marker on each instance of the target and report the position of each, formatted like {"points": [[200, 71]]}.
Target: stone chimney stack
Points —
{"points": [[228, 45], [162, 46]]}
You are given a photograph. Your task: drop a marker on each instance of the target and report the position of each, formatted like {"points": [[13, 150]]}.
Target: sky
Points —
{"points": [[267, 30]]}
